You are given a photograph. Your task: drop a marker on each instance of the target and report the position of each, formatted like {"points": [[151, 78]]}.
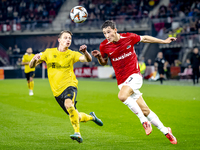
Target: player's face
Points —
{"points": [[29, 50], [196, 51], [65, 40], [110, 34], [160, 55]]}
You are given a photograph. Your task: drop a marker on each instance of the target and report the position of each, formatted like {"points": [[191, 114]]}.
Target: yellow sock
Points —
{"points": [[85, 117], [31, 85], [74, 118]]}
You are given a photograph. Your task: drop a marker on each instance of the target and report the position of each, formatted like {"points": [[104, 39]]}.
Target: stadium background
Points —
{"points": [[38, 123], [36, 24]]}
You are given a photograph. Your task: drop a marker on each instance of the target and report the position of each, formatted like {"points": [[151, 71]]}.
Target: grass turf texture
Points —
{"points": [[38, 122]]}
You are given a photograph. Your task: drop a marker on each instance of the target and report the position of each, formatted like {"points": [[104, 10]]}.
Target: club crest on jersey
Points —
{"points": [[129, 46], [66, 56]]}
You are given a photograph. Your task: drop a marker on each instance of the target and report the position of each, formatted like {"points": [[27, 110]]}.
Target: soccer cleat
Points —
{"points": [[96, 120], [30, 92], [170, 136], [147, 127], [77, 137]]}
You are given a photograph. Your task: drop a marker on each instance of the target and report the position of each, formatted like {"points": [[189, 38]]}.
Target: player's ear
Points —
{"points": [[115, 30], [58, 40]]}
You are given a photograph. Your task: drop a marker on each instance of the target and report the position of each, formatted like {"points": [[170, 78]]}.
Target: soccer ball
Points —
{"points": [[78, 14]]}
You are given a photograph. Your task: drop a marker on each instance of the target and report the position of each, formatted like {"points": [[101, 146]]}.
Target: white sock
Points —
{"points": [[134, 107], [153, 118]]}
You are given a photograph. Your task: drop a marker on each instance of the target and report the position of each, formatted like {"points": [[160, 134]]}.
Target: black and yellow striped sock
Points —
{"points": [[74, 118]]}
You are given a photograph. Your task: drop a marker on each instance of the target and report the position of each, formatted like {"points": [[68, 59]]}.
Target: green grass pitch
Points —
{"points": [[38, 122]]}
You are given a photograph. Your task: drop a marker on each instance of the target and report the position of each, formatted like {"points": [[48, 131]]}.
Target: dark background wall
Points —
{"points": [[19, 73], [41, 42]]}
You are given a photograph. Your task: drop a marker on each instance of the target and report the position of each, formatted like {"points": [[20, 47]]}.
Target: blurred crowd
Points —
{"points": [[179, 8], [182, 17], [109, 9], [23, 12], [190, 69]]}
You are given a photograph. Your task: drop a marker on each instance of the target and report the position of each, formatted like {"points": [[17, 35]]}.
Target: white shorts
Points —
{"points": [[134, 81]]}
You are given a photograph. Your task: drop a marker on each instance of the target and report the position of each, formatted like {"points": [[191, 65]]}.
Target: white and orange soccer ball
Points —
{"points": [[78, 14]]}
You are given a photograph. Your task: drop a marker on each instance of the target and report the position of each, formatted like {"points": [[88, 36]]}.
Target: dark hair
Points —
{"points": [[64, 31], [108, 23]]}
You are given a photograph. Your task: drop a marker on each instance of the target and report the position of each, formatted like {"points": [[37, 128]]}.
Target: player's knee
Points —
{"points": [[79, 115], [122, 97]]}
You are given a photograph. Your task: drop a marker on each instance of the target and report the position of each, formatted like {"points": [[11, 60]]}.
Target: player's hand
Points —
{"points": [[83, 48], [96, 53], [37, 57], [170, 39]]}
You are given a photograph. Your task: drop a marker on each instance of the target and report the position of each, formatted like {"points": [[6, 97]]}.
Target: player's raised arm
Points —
{"points": [[97, 54], [86, 57], [150, 39], [35, 61]]}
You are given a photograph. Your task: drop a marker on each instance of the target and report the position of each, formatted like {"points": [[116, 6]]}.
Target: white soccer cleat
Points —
{"points": [[30, 92]]}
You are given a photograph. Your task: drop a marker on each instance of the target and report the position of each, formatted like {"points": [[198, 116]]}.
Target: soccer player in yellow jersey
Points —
{"points": [[29, 72], [63, 81]]}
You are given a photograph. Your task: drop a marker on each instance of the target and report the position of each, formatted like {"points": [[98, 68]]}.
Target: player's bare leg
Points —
{"points": [[145, 109], [124, 96], [153, 118], [74, 118]]}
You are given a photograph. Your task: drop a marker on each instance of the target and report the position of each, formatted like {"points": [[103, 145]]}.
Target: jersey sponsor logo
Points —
{"points": [[54, 56], [122, 56], [56, 65], [129, 46]]}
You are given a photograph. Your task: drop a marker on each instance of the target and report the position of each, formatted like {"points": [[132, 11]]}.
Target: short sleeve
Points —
{"points": [[23, 58], [77, 55], [43, 56], [136, 38]]}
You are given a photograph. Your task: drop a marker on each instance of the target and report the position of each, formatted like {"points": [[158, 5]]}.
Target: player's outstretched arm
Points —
{"points": [[102, 61], [35, 61], [86, 57], [150, 39], [25, 63]]}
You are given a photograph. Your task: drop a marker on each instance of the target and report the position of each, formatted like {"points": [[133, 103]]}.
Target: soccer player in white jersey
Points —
{"points": [[119, 48]]}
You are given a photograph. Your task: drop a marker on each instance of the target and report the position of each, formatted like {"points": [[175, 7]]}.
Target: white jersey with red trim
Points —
{"points": [[122, 55]]}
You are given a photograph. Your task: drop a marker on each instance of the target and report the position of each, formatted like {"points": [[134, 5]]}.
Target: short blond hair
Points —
{"points": [[64, 31]]}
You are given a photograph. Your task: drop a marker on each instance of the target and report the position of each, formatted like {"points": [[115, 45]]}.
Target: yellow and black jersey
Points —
{"points": [[60, 68], [27, 58]]}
